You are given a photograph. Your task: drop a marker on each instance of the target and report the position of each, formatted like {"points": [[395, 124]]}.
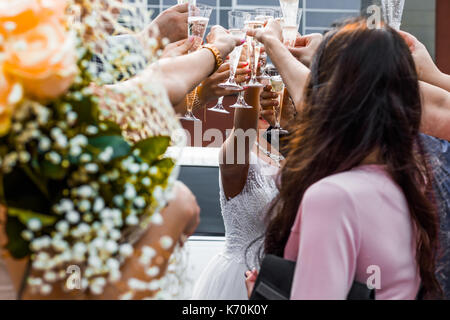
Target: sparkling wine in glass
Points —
{"points": [[236, 21], [277, 84], [290, 26], [254, 48], [198, 19], [289, 9], [393, 12]]}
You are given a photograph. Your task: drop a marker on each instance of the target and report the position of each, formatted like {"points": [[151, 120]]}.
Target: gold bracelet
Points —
{"points": [[216, 53]]}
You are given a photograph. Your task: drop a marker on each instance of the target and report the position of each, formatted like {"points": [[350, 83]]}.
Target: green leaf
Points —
{"points": [[17, 246], [120, 146], [26, 215], [52, 171], [112, 129], [153, 148]]}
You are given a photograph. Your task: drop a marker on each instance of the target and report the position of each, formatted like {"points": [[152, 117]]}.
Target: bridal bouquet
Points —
{"points": [[74, 183]]}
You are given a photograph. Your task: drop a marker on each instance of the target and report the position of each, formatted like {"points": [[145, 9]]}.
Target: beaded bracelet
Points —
{"points": [[216, 53]]}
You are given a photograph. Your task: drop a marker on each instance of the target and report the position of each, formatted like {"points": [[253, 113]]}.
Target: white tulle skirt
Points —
{"points": [[222, 279]]}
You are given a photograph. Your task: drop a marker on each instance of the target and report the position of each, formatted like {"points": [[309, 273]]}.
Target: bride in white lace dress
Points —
{"points": [[245, 191]]}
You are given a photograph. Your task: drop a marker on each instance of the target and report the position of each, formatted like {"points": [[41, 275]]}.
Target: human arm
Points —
{"points": [[172, 23], [305, 48], [426, 68], [436, 111], [235, 152], [180, 75]]}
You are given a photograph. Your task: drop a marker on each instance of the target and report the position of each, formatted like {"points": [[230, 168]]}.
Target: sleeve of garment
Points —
{"points": [[329, 244]]}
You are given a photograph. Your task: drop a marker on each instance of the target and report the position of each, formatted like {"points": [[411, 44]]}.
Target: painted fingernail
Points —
{"points": [[242, 41]]}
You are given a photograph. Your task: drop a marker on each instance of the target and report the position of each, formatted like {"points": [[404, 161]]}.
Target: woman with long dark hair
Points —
{"points": [[355, 201]]}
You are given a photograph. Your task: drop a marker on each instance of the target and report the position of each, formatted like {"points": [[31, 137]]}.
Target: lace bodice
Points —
{"points": [[243, 215]]}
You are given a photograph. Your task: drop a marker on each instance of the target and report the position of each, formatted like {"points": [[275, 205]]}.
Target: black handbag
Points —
{"points": [[275, 278]]}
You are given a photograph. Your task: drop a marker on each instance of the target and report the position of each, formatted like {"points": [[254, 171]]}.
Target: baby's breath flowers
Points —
{"points": [[80, 179]]}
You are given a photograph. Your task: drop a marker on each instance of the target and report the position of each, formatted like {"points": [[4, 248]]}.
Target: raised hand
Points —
{"points": [[272, 30], [268, 100], [209, 90], [426, 68], [305, 47], [173, 23], [223, 40], [178, 48]]}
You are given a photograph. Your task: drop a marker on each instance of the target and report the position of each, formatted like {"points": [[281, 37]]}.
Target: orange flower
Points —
{"points": [[42, 59], [10, 95], [17, 16]]}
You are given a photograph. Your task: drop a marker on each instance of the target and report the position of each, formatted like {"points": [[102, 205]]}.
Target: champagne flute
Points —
{"points": [[290, 25], [254, 48], [219, 106], [236, 21], [288, 8], [393, 12], [276, 81], [240, 102], [198, 19]]}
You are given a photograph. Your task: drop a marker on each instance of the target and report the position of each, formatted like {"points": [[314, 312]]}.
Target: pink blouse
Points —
{"points": [[353, 226]]}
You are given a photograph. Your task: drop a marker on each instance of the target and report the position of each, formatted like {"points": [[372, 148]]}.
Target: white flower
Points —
{"points": [[118, 200], [111, 246], [130, 191], [61, 141], [153, 285], [95, 261], [62, 226], [24, 157], [66, 205], [73, 217], [85, 157], [166, 242], [92, 130], [115, 275], [79, 140], [136, 284], [157, 219], [27, 235], [84, 205], [112, 264], [106, 155], [46, 289], [146, 181], [54, 157], [34, 224], [115, 234], [50, 276], [132, 220], [72, 118], [153, 271], [75, 151], [134, 168], [79, 248], [85, 191], [139, 202], [55, 132], [91, 168], [153, 170], [99, 204], [126, 250]]}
